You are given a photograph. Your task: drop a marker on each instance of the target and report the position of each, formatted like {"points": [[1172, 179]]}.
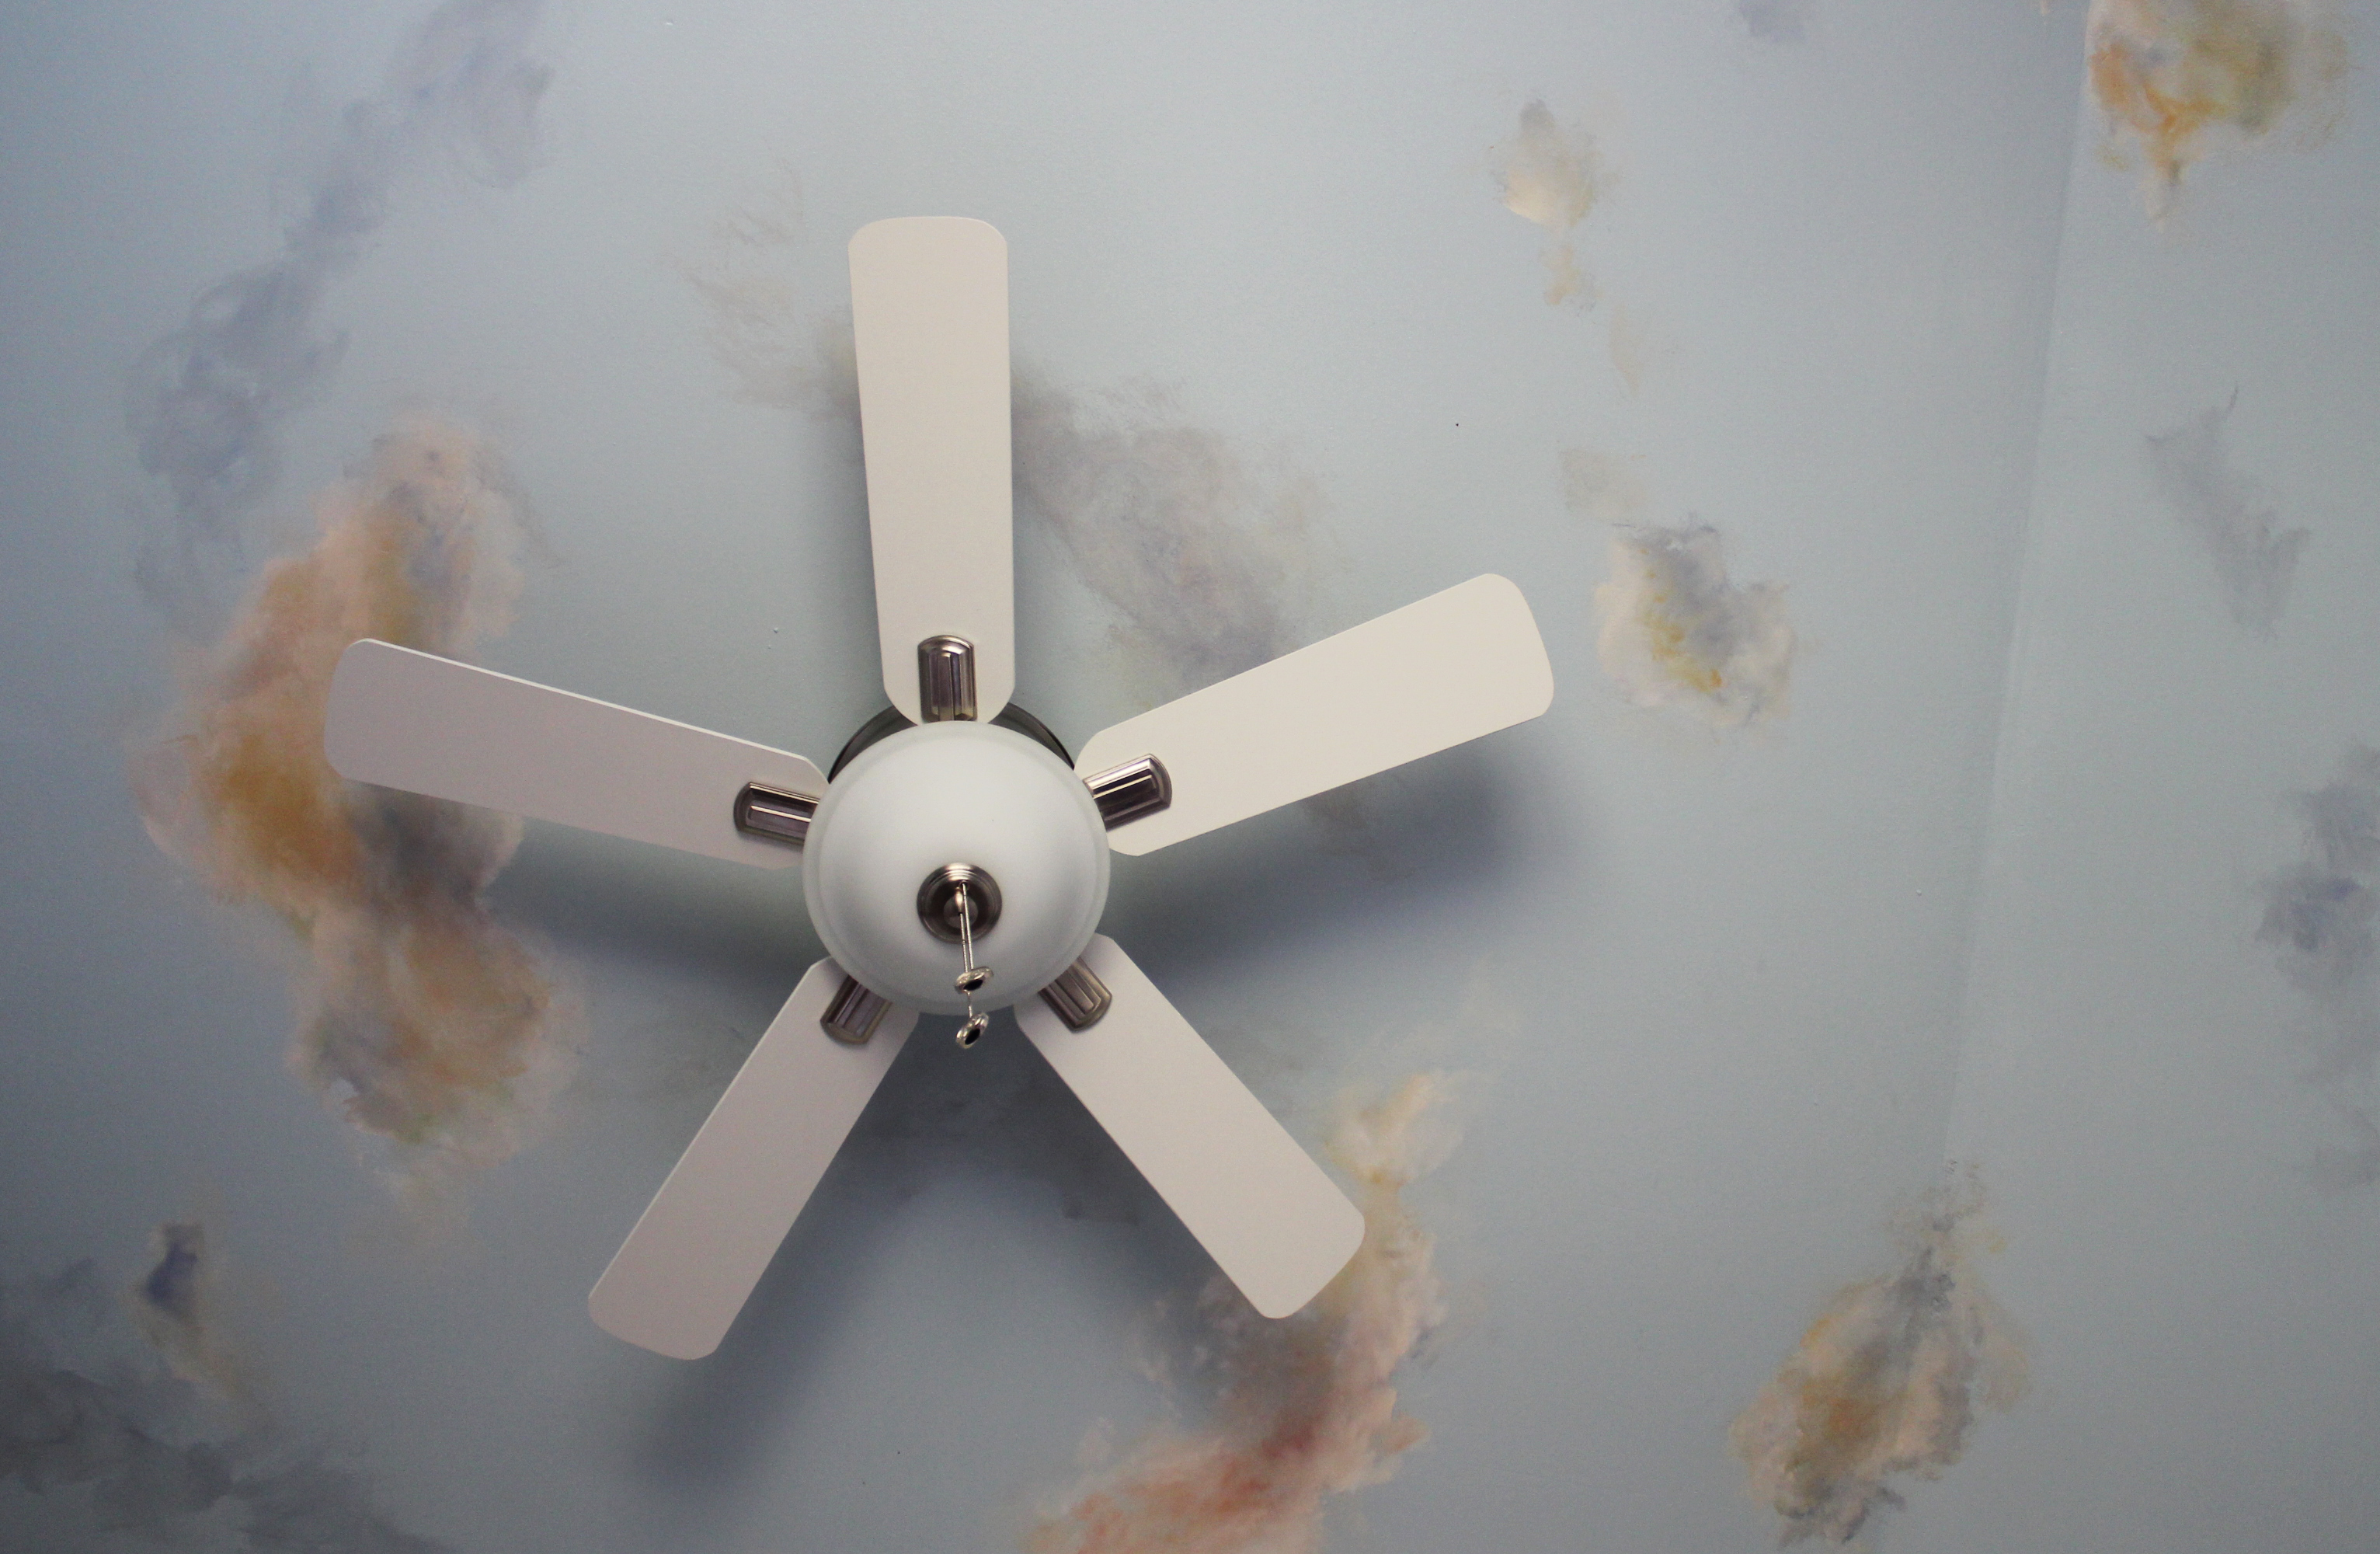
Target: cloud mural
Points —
{"points": [[755, 316], [430, 1027], [1211, 555], [2320, 915], [2226, 511], [1552, 173], [177, 1307], [134, 1445], [1677, 631], [2173, 75], [209, 400], [1303, 1410], [1888, 1382]]}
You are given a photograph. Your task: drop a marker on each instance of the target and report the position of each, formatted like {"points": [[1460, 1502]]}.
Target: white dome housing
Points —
{"points": [[945, 793]]}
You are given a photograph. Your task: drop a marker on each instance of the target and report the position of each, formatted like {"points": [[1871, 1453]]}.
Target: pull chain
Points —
{"points": [[971, 977]]}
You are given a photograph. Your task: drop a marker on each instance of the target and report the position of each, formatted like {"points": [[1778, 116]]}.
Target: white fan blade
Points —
{"points": [[1260, 1206], [429, 725], [929, 322], [1449, 668], [686, 1270]]}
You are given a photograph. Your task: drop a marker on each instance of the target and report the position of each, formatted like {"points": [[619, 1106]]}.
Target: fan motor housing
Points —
{"points": [[915, 802]]}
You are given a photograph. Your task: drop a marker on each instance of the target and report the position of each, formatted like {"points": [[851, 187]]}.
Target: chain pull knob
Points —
{"points": [[971, 977]]}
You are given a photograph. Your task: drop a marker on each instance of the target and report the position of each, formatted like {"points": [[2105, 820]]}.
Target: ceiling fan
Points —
{"points": [[954, 858]]}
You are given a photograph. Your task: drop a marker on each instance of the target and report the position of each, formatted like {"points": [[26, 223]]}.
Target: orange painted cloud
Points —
{"points": [[2172, 74], [426, 1022], [1304, 1408], [1887, 1383]]}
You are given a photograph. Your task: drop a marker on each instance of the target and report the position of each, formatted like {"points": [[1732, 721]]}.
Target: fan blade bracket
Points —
{"points": [[854, 1013], [775, 814], [1079, 998], [946, 679], [1132, 790]]}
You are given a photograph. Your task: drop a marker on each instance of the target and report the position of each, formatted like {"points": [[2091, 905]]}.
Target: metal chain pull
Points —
{"points": [[971, 977]]}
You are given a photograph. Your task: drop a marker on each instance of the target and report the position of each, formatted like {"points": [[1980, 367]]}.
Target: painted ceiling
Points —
{"points": [[1887, 1059]]}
